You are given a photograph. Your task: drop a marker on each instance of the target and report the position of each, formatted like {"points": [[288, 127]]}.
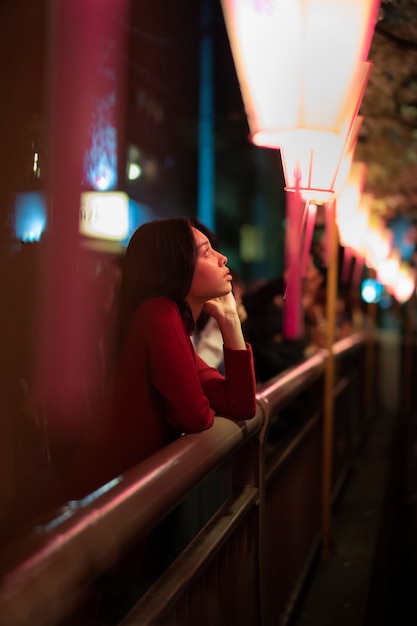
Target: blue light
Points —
{"points": [[138, 214], [386, 301], [100, 162], [30, 216], [404, 236], [371, 290]]}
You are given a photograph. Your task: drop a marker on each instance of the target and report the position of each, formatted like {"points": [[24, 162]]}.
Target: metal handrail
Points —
{"points": [[86, 537], [45, 575], [293, 380]]}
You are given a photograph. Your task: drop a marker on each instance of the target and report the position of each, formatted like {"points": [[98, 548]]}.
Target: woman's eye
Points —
{"points": [[207, 252]]}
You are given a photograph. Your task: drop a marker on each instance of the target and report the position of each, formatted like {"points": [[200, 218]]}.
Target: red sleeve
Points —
{"points": [[173, 369], [234, 393]]}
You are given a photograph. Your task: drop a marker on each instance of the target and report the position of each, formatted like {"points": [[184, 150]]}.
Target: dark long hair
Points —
{"points": [[160, 260]]}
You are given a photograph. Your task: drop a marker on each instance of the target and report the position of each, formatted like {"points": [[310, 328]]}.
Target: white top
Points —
{"points": [[209, 344]]}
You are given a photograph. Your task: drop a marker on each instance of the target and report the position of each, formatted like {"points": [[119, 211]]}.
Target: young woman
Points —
{"points": [[161, 388]]}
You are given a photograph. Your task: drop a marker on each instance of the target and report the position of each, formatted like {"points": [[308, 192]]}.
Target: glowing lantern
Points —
{"points": [[349, 196], [351, 219], [311, 156], [397, 276], [378, 241], [387, 269], [405, 283], [353, 225], [302, 73], [295, 60], [352, 229], [302, 70]]}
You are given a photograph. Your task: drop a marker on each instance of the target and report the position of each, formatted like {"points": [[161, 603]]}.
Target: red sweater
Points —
{"points": [[162, 389]]}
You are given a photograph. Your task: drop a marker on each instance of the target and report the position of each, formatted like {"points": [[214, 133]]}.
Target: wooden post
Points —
{"points": [[328, 403]]}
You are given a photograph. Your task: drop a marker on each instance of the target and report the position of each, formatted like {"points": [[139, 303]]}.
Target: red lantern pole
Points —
{"points": [[347, 264], [311, 210], [293, 325]]}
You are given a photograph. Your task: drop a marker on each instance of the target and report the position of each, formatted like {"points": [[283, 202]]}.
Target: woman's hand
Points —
{"points": [[224, 311], [221, 307]]}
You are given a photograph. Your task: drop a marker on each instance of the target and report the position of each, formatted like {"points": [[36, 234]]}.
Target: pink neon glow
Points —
{"points": [[68, 354]]}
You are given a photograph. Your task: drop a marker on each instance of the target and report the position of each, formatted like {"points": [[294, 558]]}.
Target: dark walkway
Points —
{"points": [[370, 577]]}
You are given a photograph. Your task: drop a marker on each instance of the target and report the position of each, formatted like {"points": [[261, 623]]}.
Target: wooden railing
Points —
{"points": [[243, 502]]}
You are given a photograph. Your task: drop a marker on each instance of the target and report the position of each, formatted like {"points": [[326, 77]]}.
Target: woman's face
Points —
{"points": [[211, 278]]}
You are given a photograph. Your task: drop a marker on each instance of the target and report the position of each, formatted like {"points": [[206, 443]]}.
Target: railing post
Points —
{"points": [[263, 404]]}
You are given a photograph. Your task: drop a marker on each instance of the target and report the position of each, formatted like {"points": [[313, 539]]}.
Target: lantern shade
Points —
{"points": [[296, 61], [311, 156]]}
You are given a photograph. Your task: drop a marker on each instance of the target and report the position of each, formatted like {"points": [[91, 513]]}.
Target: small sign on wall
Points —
{"points": [[104, 215]]}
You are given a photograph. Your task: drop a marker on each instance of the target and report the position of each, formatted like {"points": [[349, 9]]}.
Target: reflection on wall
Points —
{"points": [[30, 216], [100, 160]]}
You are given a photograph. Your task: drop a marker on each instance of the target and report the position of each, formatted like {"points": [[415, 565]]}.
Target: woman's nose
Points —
{"points": [[222, 259]]}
